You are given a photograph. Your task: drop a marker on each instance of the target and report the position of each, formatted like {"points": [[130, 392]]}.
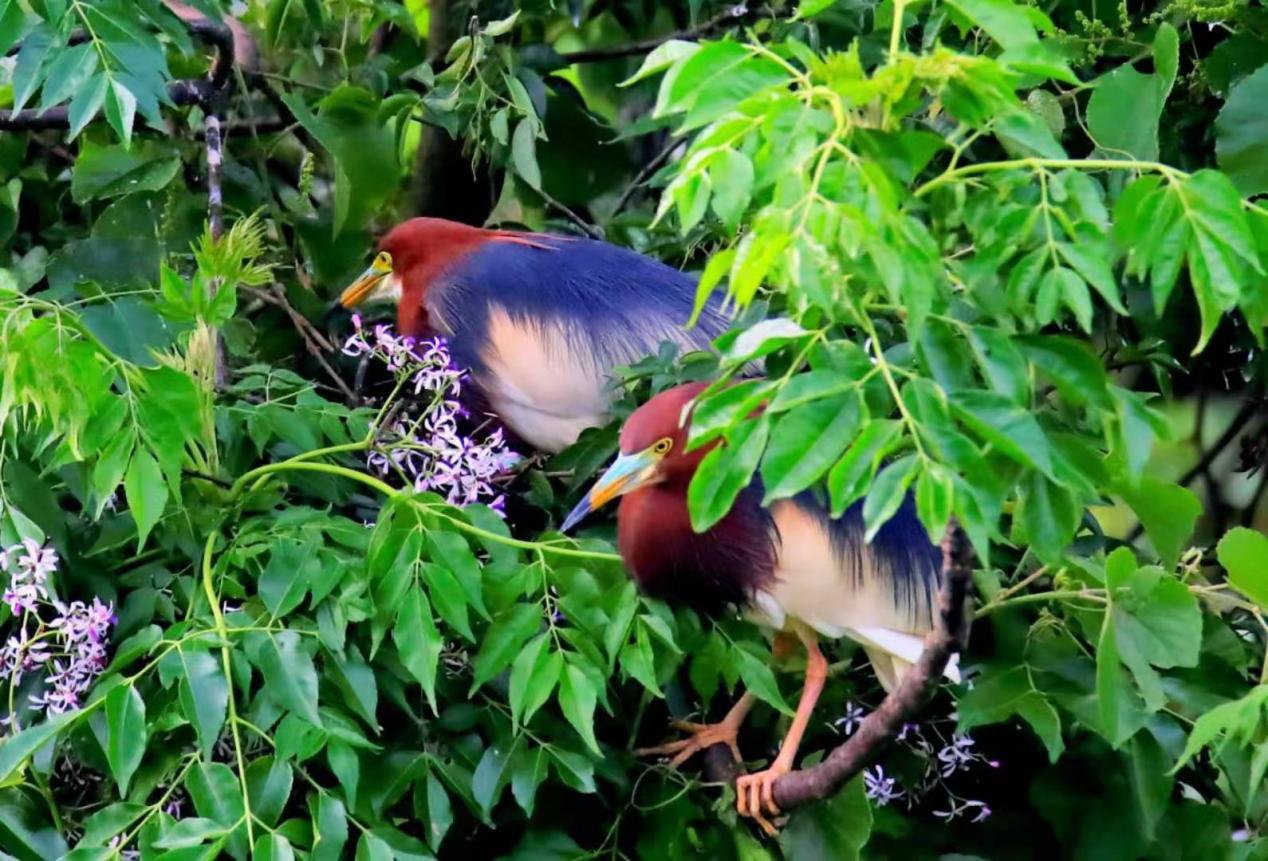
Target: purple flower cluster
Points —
{"points": [[428, 450], [69, 648], [943, 759]]}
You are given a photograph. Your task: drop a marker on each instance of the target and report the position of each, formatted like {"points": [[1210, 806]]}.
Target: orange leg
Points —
{"points": [[703, 735], [753, 791]]}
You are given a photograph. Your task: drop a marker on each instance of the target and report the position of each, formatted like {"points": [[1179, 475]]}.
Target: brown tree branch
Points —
{"points": [[730, 15], [314, 341], [949, 636]]}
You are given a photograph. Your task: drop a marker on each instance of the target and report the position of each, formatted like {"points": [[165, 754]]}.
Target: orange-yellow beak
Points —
{"points": [[369, 284]]}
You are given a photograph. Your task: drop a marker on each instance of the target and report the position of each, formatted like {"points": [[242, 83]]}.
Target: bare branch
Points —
{"points": [[314, 341], [730, 15], [918, 686]]}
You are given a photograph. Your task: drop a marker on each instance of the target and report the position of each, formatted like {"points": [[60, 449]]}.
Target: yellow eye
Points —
{"points": [[383, 261], [663, 446]]}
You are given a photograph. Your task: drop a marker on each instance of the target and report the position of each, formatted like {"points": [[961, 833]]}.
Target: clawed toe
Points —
{"points": [[702, 736]]}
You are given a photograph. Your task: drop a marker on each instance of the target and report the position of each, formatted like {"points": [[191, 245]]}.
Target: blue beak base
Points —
{"points": [[627, 472]]}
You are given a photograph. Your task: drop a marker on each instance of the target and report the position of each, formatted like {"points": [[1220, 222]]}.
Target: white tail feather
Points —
{"points": [[897, 651]]}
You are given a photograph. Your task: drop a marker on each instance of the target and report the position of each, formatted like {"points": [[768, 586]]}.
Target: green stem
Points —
{"points": [[896, 30], [209, 587], [300, 463], [1097, 595], [1053, 163]]}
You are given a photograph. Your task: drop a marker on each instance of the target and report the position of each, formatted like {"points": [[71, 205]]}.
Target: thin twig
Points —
{"points": [[589, 229], [730, 15], [918, 686], [645, 174], [314, 341]]}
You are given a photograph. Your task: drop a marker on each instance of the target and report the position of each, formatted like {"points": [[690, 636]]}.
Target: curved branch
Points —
{"points": [[950, 633]]}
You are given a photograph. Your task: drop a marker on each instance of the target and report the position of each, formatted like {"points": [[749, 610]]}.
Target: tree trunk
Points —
{"points": [[445, 183]]}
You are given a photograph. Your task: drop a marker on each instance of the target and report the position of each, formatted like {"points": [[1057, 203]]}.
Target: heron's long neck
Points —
{"points": [[710, 570]]}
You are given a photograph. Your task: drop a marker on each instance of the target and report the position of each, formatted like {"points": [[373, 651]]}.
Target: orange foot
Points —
{"points": [[702, 735], [753, 791]]}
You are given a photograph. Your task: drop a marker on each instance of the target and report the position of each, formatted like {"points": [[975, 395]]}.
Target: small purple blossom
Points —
{"points": [[979, 809], [852, 719], [28, 565], [879, 788], [957, 755], [430, 452]]}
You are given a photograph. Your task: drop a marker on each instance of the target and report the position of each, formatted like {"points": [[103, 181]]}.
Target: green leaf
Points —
{"points": [[289, 672], [204, 696], [714, 79], [269, 784], [364, 150], [718, 411], [190, 831], [125, 733], [503, 641], [1071, 365], [1159, 621], [836, 828], [121, 110], [12, 23], [850, 477], [439, 811], [146, 493], [67, 74], [1006, 22], [1007, 426], [109, 821], [524, 152], [731, 174], [216, 793], [1051, 516], [1001, 362], [998, 695], [935, 493], [759, 679], [330, 827], [1123, 113], [805, 442], [272, 847], [292, 567], [346, 765], [1241, 134], [1151, 782], [418, 641], [449, 597], [534, 674], [1244, 555], [662, 57], [1168, 512], [1109, 681], [15, 749], [487, 779], [373, 848], [1089, 261], [724, 472], [577, 700], [111, 171], [887, 494], [806, 387]]}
